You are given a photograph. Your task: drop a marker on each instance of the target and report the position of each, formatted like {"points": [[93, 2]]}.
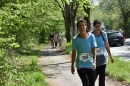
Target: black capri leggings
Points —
{"points": [[87, 76]]}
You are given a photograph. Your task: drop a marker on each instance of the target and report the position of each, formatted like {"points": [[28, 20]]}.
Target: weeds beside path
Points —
{"points": [[55, 65]]}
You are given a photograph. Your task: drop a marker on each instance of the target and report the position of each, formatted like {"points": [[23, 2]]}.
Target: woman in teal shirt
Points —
{"points": [[102, 52], [84, 45]]}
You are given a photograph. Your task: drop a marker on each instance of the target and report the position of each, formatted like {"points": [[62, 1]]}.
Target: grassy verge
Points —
{"points": [[67, 47], [24, 70], [119, 70]]}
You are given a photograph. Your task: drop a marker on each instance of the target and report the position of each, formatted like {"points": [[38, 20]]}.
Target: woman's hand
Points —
{"points": [[94, 66], [112, 60], [72, 70]]}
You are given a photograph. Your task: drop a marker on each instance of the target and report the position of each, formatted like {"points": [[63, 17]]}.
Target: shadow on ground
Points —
{"points": [[53, 53]]}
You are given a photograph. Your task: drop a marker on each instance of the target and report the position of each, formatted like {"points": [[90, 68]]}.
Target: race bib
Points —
{"points": [[85, 57], [99, 51]]}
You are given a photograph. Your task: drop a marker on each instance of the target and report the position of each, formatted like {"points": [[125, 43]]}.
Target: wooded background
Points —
{"points": [[26, 23]]}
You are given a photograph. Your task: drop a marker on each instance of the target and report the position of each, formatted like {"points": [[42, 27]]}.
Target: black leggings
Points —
{"points": [[55, 44], [87, 76], [101, 72]]}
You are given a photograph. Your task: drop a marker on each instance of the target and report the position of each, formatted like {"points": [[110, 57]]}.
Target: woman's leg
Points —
{"points": [[91, 76], [52, 43], [55, 44], [83, 76], [102, 75], [96, 73], [60, 42]]}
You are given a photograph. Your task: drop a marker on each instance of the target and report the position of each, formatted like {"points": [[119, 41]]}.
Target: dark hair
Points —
{"points": [[96, 22], [81, 20]]}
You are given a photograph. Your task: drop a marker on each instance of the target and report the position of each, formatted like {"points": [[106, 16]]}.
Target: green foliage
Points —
{"points": [[24, 24], [115, 14], [23, 70], [109, 18], [83, 3], [36, 79], [2, 70], [13, 24], [26, 21], [67, 47], [4, 2]]}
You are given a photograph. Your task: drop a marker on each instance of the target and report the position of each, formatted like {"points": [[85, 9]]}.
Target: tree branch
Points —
{"points": [[59, 5], [63, 3], [75, 10], [63, 12]]}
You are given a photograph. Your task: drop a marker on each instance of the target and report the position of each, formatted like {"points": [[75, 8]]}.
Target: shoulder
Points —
{"points": [[91, 34], [91, 31], [103, 32], [75, 37]]}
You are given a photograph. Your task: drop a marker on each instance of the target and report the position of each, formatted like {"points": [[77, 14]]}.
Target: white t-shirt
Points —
{"points": [[59, 36]]}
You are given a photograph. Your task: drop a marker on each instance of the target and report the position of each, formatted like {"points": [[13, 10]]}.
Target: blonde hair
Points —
{"points": [[120, 30]]}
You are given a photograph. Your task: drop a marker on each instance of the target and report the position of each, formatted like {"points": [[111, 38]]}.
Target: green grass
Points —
{"points": [[24, 70], [67, 47], [119, 70], [34, 79]]}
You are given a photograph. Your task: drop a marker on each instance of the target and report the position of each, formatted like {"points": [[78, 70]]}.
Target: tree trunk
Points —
{"points": [[67, 21], [69, 13], [73, 12], [126, 26], [87, 18], [67, 34]]}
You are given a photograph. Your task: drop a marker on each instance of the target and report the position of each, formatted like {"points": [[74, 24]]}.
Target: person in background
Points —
{"points": [[59, 38], [123, 33], [102, 52], [55, 40], [120, 30], [51, 38], [84, 45]]}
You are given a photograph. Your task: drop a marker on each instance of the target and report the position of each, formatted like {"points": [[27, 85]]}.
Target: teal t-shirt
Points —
{"points": [[100, 42], [103, 57], [84, 45]]}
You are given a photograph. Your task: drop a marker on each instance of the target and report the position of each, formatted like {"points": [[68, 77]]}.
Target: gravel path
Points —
{"points": [[55, 64]]}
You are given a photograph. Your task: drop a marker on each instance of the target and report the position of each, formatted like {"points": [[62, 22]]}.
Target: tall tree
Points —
{"points": [[87, 9], [124, 6], [108, 10], [69, 10], [117, 10]]}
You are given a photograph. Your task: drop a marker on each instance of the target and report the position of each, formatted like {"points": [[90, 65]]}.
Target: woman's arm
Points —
{"points": [[108, 51], [73, 61], [94, 58], [94, 55]]}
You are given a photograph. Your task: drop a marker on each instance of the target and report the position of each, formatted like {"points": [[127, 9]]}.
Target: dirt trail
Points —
{"points": [[55, 64]]}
